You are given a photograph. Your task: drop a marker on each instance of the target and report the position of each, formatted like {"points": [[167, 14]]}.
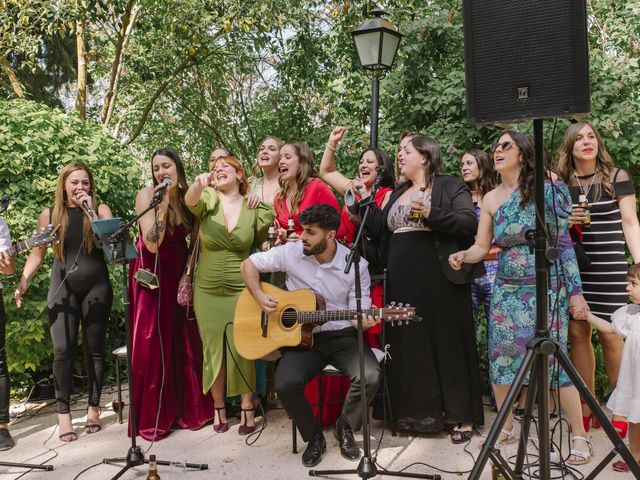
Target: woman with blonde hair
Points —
{"points": [[79, 294], [228, 230], [586, 166], [264, 182]]}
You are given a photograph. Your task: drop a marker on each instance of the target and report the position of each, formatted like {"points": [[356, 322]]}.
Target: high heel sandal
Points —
{"points": [[67, 437], [93, 427], [222, 426], [245, 429], [621, 427], [589, 420]]}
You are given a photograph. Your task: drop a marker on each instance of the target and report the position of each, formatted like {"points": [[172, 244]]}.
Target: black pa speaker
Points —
{"points": [[525, 59]]}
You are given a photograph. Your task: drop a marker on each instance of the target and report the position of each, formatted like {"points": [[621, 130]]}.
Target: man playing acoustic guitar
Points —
{"points": [[317, 262]]}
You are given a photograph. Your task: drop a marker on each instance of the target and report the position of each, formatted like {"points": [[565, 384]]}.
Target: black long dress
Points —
{"points": [[433, 372]]}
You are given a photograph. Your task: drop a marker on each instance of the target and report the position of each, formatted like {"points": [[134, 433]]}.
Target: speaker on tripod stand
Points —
{"points": [[528, 60]]}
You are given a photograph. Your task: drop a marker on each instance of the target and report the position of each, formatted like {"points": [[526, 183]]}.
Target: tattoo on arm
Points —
{"points": [[153, 235]]}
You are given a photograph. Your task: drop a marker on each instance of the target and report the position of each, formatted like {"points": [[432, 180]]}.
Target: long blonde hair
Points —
{"points": [[566, 165], [59, 215], [306, 172], [255, 168]]}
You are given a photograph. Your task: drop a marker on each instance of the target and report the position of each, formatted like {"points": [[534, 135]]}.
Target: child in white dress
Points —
{"points": [[625, 399]]}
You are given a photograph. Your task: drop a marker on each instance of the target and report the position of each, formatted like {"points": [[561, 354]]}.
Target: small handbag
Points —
{"points": [[185, 285], [581, 255]]}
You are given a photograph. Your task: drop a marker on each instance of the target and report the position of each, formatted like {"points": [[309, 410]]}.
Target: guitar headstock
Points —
{"points": [[399, 313], [43, 236]]}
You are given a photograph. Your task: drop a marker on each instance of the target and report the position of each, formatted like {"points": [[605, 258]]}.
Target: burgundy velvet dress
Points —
{"points": [[181, 401]]}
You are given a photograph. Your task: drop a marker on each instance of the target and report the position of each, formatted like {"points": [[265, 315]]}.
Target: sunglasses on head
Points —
{"points": [[505, 146]]}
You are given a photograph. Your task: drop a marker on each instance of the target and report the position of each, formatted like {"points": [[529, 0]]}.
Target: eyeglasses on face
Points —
{"points": [[505, 146]]}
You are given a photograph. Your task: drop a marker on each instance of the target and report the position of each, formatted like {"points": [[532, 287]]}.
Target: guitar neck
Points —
{"points": [[17, 248], [322, 316]]}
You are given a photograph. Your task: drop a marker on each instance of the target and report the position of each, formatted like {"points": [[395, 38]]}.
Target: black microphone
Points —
{"points": [[157, 196], [88, 208]]}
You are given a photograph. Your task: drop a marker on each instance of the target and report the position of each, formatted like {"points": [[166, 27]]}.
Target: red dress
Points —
{"points": [[181, 401], [315, 192]]}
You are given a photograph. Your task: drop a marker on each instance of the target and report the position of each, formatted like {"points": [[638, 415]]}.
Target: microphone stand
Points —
{"points": [[117, 246], [367, 467]]}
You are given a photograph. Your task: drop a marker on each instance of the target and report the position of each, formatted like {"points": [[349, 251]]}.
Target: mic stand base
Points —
{"points": [[367, 469], [135, 458], [30, 466]]}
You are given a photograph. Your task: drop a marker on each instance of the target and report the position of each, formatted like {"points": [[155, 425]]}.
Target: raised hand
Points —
{"points": [[335, 136]]}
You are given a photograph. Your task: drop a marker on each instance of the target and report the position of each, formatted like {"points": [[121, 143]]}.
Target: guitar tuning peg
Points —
{"points": [[407, 305], [393, 322], [401, 304], [393, 304]]}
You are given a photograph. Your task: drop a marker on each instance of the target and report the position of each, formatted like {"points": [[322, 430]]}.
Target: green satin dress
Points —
{"points": [[218, 284]]}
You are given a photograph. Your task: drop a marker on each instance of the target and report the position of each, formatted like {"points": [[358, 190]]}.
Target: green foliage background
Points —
{"points": [[197, 75], [35, 143]]}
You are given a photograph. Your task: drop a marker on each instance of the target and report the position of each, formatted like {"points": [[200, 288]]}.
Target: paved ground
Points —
{"points": [[227, 454]]}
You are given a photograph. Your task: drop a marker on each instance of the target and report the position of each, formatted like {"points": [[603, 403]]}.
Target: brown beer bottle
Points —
{"points": [[414, 215], [153, 469], [584, 205], [291, 228]]}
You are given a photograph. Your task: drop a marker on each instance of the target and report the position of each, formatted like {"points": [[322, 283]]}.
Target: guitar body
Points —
{"points": [[254, 338]]}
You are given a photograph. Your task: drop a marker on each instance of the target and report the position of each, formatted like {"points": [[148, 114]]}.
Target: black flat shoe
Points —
{"points": [[348, 447], [315, 448]]}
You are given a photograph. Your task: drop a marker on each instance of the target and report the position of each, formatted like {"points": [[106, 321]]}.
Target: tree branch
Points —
{"points": [[128, 20], [81, 95], [13, 78]]}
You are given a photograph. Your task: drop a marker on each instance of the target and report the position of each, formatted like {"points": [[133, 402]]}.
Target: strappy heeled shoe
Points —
{"points": [[245, 429], [93, 427], [621, 427], [69, 436], [222, 426]]}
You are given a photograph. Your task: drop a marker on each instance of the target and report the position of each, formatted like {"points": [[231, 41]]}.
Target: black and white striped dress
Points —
{"points": [[604, 283]]}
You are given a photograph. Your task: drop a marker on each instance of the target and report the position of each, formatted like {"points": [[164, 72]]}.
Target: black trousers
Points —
{"points": [[5, 385], [340, 349]]}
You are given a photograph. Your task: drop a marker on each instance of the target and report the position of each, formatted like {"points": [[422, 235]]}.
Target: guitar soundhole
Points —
{"points": [[289, 317]]}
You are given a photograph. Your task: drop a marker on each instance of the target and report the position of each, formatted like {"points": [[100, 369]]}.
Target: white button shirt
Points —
{"points": [[325, 279], [5, 237]]}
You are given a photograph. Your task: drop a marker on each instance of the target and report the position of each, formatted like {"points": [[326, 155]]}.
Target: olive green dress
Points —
{"points": [[218, 284]]}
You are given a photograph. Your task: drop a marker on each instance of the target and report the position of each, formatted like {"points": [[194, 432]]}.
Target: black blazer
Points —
{"points": [[452, 219]]}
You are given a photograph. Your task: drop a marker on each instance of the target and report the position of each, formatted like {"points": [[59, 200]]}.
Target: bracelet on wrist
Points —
{"points": [[330, 147]]}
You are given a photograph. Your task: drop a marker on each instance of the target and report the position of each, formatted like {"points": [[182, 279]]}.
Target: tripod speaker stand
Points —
{"points": [[537, 360], [117, 245]]}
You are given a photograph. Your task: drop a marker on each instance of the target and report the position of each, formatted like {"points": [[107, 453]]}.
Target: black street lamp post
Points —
{"points": [[376, 41]]}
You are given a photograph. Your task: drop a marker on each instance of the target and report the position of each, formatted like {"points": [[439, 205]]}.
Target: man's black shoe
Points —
{"points": [[6, 441], [315, 448], [348, 446]]}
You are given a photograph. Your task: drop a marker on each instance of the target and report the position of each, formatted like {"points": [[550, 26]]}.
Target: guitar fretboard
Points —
{"points": [[321, 316]]}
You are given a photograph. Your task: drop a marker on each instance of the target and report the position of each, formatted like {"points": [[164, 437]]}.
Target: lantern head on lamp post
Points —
{"points": [[376, 41]]}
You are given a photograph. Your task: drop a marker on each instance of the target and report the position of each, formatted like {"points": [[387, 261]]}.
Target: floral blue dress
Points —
{"points": [[513, 305]]}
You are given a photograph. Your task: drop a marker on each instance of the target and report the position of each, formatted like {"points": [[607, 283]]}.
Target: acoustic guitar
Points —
{"points": [[45, 235], [257, 334]]}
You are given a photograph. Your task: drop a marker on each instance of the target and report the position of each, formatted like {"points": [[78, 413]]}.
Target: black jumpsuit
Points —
{"points": [[84, 298]]}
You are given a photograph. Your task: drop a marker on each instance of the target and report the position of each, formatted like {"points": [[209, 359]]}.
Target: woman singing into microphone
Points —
{"points": [[166, 357], [79, 293]]}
